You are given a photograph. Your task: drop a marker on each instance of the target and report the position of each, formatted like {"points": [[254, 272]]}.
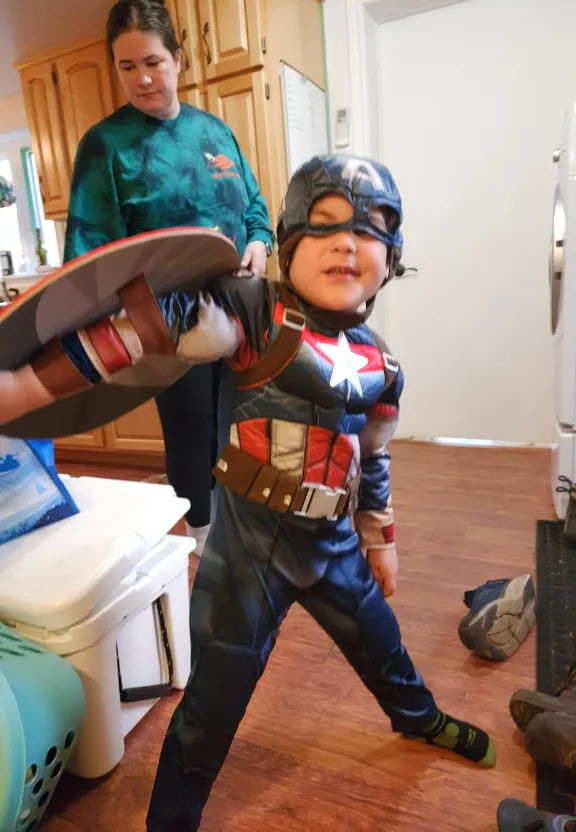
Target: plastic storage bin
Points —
{"points": [[124, 596], [41, 708]]}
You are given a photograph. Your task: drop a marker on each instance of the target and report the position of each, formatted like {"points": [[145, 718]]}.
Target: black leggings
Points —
{"points": [[189, 415]]}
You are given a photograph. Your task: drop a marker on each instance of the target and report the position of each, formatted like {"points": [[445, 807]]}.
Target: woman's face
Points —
{"points": [[148, 73]]}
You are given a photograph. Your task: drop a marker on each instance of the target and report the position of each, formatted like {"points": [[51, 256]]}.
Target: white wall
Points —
{"points": [[506, 70], [12, 114]]}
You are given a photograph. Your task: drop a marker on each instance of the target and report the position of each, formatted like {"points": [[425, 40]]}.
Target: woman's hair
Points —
{"points": [[149, 16]]}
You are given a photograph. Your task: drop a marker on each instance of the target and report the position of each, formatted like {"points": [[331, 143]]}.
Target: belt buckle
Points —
{"points": [[320, 502]]}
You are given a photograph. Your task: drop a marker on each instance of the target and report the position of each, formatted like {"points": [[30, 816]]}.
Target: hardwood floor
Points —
{"points": [[314, 751]]}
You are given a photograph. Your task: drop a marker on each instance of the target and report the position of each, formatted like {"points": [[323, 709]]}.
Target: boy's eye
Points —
{"points": [[377, 218]]}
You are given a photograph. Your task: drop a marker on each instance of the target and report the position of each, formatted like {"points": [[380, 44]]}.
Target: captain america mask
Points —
{"points": [[367, 186]]}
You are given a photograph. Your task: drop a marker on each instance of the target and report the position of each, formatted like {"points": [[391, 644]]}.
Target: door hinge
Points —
{"points": [[263, 44], [267, 91], [54, 77]]}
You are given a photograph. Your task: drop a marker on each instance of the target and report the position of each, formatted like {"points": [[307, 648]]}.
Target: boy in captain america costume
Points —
{"points": [[303, 507]]}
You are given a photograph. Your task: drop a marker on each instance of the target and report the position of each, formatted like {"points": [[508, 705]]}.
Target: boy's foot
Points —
{"points": [[551, 739], [460, 737], [527, 704], [502, 613], [514, 816]]}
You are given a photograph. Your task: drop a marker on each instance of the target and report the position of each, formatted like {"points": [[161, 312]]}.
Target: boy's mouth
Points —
{"points": [[342, 271]]}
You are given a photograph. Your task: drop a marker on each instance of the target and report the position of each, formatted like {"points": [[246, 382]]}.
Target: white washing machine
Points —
{"points": [[562, 268]]}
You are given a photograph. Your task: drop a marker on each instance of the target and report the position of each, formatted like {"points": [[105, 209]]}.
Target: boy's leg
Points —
{"points": [[238, 602], [348, 603]]}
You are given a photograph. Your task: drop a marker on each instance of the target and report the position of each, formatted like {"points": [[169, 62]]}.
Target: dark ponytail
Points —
{"points": [[149, 16]]}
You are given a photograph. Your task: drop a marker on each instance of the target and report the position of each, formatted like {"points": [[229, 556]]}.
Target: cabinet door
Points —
{"points": [[139, 430], [184, 16], [192, 96], [231, 32], [92, 439], [85, 83], [241, 103], [43, 116]]}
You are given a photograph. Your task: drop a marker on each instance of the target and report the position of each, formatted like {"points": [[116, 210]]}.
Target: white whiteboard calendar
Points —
{"points": [[305, 122]]}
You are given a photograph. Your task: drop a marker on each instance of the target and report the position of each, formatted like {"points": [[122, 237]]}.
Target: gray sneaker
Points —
{"points": [[514, 816], [502, 613]]}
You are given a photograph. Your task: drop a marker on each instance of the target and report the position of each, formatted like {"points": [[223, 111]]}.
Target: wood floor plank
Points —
{"points": [[314, 751]]}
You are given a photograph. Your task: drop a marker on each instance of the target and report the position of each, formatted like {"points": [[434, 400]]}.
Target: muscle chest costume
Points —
{"points": [[304, 488], [313, 408]]}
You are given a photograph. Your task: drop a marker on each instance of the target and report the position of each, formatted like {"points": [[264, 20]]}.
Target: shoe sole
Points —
{"points": [[499, 628]]}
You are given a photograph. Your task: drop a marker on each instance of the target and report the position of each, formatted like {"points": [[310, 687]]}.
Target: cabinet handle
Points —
{"points": [[184, 52], [205, 31]]}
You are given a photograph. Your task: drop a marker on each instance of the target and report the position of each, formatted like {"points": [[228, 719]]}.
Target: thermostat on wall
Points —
{"points": [[341, 133]]}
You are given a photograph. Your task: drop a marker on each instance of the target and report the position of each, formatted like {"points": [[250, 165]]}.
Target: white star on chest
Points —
{"points": [[346, 363]]}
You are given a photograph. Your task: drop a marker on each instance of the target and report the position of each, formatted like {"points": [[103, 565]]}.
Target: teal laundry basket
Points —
{"points": [[41, 708]]}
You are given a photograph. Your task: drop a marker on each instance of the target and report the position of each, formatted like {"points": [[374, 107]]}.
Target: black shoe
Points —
{"points": [[514, 816], [502, 613]]}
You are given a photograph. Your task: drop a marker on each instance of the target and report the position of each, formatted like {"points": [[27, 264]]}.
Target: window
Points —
{"points": [[9, 231], [22, 242], [47, 227]]}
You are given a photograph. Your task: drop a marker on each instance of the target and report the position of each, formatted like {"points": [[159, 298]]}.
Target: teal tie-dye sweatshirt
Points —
{"points": [[135, 173]]}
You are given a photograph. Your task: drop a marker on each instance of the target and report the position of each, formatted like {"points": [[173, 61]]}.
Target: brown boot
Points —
{"points": [[525, 705], [551, 738]]}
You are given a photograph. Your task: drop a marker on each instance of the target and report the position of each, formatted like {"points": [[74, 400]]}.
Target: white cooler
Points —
{"points": [[108, 590]]}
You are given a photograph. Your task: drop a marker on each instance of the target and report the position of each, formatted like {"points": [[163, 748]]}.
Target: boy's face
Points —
{"points": [[341, 271]]}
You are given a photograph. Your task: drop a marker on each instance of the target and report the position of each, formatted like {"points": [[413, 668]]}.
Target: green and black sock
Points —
{"points": [[460, 737]]}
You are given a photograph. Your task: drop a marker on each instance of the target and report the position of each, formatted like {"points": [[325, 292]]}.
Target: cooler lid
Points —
{"points": [[55, 576]]}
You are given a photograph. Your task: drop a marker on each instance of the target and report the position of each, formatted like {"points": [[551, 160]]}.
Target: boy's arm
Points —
{"points": [[196, 328], [374, 518]]}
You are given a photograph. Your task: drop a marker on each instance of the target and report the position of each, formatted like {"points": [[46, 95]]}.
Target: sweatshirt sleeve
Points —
{"points": [[94, 215], [257, 218]]}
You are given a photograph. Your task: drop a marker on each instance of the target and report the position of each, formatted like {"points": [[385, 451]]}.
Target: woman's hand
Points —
{"points": [[254, 260]]}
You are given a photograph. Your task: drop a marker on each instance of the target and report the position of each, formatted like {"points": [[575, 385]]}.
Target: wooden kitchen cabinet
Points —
{"points": [[92, 439], [64, 94], [84, 82], [186, 22], [241, 103], [138, 433], [192, 96], [231, 36], [47, 133], [140, 430]]}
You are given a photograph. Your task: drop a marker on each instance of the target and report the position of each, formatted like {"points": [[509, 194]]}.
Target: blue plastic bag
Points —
{"points": [[31, 492]]}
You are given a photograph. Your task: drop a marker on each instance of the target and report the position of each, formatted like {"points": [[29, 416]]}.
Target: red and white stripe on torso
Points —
{"points": [[311, 453]]}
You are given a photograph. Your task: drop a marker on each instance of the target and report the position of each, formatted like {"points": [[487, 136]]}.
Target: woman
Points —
{"points": [[157, 163]]}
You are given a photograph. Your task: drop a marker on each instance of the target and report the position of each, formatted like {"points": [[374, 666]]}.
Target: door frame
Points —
{"points": [[363, 18]]}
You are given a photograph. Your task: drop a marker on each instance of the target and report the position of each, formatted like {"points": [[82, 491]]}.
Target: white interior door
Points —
{"points": [[473, 98]]}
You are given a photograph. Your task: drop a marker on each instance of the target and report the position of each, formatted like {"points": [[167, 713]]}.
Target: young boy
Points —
{"points": [[303, 508]]}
